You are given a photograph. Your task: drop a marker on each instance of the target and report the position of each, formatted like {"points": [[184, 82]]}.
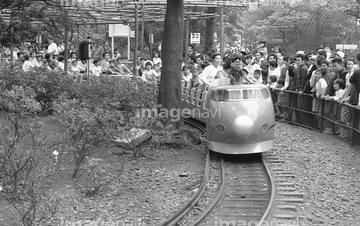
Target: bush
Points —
{"points": [[47, 85]]}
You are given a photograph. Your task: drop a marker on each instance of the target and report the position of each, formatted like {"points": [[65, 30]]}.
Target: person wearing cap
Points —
{"points": [[236, 73], [97, 51], [209, 73], [340, 54], [149, 75]]}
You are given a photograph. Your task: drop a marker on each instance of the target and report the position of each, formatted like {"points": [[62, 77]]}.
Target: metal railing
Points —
{"points": [[329, 115]]}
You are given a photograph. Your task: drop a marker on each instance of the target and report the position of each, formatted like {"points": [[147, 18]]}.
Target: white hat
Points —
{"points": [[148, 61], [341, 54], [300, 52], [313, 57]]}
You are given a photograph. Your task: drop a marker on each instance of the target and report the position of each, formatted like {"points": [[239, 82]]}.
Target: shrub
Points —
{"points": [[47, 85]]}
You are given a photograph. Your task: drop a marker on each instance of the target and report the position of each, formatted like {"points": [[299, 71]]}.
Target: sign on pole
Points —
{"points": [[151, 38], [38, 39], [195, 38]]}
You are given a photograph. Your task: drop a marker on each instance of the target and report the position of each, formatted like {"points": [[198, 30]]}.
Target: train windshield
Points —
{"points": [[240, 94]]}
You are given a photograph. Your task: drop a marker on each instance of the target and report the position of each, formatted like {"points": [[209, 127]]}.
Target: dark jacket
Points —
{"points": [[330, 78], [342, 74], [301, 77], [355, 88]]}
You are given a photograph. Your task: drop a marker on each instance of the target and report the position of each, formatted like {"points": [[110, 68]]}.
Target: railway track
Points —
{"points": [[236, 190]]}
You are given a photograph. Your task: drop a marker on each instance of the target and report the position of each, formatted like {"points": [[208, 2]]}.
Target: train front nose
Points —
{"points": [[243, 126]]}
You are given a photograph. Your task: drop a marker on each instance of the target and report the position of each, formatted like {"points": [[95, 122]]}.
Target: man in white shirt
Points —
{"points": [[52, 48], [209, 73]]}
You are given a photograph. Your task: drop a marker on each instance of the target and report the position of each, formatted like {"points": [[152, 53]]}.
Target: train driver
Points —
{"points": [[237, 75]]}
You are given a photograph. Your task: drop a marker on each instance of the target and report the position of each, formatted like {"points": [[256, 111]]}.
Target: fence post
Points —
{"points": [[352, 137], [321, 114], [288, 108]]}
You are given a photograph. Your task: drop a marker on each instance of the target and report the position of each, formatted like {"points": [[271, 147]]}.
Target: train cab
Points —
{"points": [[240, 119]]}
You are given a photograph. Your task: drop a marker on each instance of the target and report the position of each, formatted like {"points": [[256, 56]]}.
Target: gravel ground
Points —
{"points": [[327, 171]]}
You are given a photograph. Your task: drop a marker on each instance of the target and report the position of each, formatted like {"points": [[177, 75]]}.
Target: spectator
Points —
{"points": [[186, 75], [20, 59], [339, 86], [123, 69], [345, 112], [209, 73], [149, 75], [251, 66], [107, 49], [105, 65], [274, 70], [27, 65], [33, 59], [157, 59], [339, 69], [141, 66], [61, 65], [301, 76], [96, 70], [50, 62], [72, 49], [282, 100], [319, 89], [52, 48], [97, 51]]}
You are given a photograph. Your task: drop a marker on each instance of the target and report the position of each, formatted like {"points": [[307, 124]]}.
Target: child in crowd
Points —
{"points": [[195, 80], [245, 72], [339, 86], [113, 69], [273, 82], [149, 75], [257, 76], [60, 65], [186, 75], [319, 91], [96, 70], [282, 100], [157, 69]]}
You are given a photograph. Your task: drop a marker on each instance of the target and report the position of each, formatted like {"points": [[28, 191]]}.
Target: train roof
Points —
{"points": [[240, 86]]}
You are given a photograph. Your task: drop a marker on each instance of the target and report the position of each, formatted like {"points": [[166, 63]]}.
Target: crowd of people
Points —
{"points": [[322, 73], [103, 61]]}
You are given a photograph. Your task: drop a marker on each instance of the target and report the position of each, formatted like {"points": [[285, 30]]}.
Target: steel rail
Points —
{"points": [[272, 195], [217, 198], [185, 209]]}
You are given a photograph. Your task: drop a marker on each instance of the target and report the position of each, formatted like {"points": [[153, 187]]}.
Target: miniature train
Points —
{"points": [[239, 118]]}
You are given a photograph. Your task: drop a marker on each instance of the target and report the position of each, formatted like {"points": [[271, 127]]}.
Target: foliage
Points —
{"points": [[47, 85], [97, 110], [290, 21], [96, 178], [25, 160]]}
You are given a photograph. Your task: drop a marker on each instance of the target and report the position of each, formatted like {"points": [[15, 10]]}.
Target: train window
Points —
{"points": [[240, 94], [265, 93]]}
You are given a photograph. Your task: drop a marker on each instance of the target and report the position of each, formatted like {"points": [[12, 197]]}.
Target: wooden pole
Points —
{"points": [[142, 35], [66, 52], [222, 46], [78, 34], [11, 40], [187, 32], [136, 39], [151, 41]]}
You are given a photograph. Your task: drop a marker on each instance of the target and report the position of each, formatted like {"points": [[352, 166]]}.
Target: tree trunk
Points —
{"points": [[172, 48], [209, 32]]}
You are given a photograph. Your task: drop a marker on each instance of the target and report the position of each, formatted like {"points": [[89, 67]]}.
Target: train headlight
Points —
{"points": [[220, 128], [243, 126], [264, 128]]}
